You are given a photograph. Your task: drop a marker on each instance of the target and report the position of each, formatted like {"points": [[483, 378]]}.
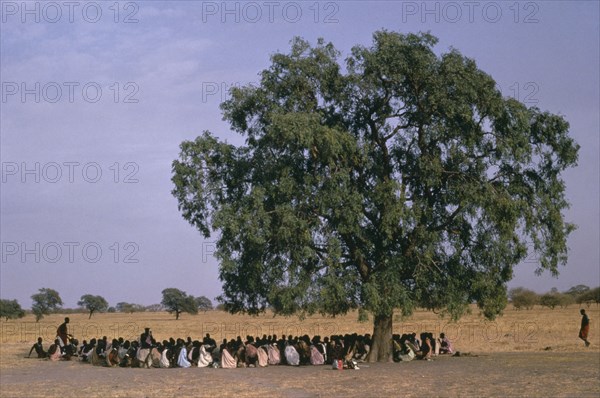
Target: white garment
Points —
{"points": [[182, 361], [205, 359], [164, 359], [291, 355]]}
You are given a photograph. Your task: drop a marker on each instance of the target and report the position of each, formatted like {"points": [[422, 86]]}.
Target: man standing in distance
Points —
{"points": [[585, 327]]}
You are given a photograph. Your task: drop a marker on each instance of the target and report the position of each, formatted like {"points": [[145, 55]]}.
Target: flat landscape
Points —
{"points": [[522, 353]]}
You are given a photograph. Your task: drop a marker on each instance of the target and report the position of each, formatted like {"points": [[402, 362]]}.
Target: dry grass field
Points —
{"points": [[522, 353]]}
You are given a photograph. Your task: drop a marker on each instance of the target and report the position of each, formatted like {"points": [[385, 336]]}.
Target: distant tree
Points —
{"points": [[204, 303], [565, 300], [44, 302], [589, 297], [130, 307], [221, 307], [595, 295], [523, 298], [550, 299], [177, 301], [155, 308], [93, 303], [111, 309], [11, 309], [578, 290]]}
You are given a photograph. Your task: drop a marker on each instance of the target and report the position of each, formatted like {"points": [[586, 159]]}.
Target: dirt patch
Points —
{"points": [[494, 374]]}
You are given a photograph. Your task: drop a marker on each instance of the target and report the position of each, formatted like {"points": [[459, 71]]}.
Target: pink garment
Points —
{"points": [[57, 353], [263, 357], [274, 356], [316, 358], [251, 351], [227, 361]]}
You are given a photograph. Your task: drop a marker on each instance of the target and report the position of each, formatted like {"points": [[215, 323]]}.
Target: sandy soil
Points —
{"points": [[545, 374]]}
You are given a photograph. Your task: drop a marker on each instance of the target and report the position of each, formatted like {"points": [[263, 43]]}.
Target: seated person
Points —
{"points": [[39, 349], [445, 345], [426, 349], [87, 350], [70, 349], [54, 352]]}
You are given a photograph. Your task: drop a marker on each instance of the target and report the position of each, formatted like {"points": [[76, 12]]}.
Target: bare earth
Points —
{"points": [[524, 353]]}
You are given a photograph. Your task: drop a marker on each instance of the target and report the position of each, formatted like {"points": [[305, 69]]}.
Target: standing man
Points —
{"points": [[62, 332], [585, 327]]}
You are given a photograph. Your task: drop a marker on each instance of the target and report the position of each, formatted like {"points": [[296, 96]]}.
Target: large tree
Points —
{"points": [[177, 301], [11, 309], [93, 303], [403, 179], [45, 301]]}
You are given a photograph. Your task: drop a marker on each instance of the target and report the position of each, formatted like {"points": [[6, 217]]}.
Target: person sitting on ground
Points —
{"points": [[445, 345], [426, 348], [209, 341], [303, 348], [316, 357], [274, 354], [164, 355], [87, 350], [291, 354], [403, 349], [250, 353], [205, 357], [54, 352], [39, 349], [97, 357], [182, 360], [263, 355], [146, 339], [81, 347], [362, 349], [70, 350], [194, 353], [112, 353], [227, 360], [336, 353]]}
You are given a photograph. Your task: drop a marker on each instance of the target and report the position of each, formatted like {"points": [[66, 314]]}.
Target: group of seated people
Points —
{"points": [[341, 352], [408, 347]]}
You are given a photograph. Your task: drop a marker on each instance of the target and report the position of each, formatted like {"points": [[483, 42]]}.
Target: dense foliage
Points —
{"points": [[403, 179]]}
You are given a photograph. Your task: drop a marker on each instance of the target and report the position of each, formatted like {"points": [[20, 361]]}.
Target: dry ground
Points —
{"points": [[523, 353]]}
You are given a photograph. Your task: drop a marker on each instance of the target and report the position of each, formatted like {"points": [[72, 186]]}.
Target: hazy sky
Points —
{"points": [[97, 97]]}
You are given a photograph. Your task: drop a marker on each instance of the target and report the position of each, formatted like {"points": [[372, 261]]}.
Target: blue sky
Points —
{"points": [[97, 97]]}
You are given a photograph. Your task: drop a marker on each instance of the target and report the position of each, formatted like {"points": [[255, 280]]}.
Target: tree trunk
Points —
{"points": [[177, 315], [90, 317], [381, 347]]}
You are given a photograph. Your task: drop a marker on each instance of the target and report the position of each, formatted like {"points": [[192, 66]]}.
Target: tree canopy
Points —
{"points": [[177, 301], [44, 302], [129, 307], [11, 309], [93, 303], [204, 303], [398, 179], [523, 298]]}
